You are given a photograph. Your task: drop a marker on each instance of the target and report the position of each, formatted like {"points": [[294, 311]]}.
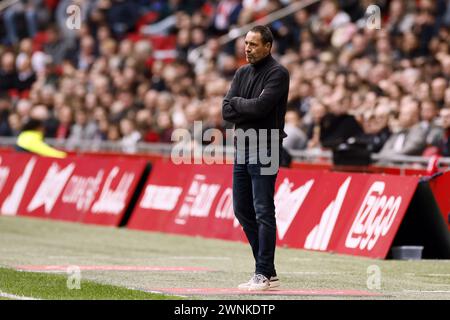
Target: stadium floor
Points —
{"points": [[198, 268]]}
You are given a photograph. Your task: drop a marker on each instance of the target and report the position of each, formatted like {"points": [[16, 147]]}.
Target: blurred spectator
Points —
{"points": [[226, 15], [165, 127], [83, 129], [24, 8], [376, 128], [8, 74], [86, 55], [438, 87], [312, 128], [428, 113], [130, 136], [329, 18], [113, 133], [144, 124], [15, 124], [252, 10], [58, 47], [5, 107], [25, 74], [65, 119], [23, 108], [410, 139], [444, 145], [215, 121], [296, 138], [121, 15], [337, 125], [399, 20]]}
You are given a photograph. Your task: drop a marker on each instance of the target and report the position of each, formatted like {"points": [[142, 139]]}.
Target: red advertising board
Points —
{"points": [[188, 199], [89, 190], [357, 214], [441, 190], [15, 173]]}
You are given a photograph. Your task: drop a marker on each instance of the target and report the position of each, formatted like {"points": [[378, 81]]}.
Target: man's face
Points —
{"points": [[445, 115], [255, 50], [438, 87], [428, 111], [292, 118], [409, 115]]}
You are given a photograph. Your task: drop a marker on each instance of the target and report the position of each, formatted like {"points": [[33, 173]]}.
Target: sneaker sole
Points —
{"points": [[272, 285], [258, 288]]}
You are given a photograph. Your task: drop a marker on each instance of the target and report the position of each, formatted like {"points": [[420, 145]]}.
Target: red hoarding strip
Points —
{"points": [[357, 214], [89, 190]]}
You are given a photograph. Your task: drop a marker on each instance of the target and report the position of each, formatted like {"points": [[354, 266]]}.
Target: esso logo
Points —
{"points": [[374, 218]]}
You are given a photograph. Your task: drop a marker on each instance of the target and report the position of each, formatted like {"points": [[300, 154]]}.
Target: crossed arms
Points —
{"points": [[236, 109]]}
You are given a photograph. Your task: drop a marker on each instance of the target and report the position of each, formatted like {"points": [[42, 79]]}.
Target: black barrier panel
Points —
{"points": [[423, 225], [136, 195]]}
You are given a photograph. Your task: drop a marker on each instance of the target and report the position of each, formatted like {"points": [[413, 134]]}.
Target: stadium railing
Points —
{"points": [[166, 149]]}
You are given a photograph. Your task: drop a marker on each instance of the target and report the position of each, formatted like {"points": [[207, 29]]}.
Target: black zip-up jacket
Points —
{"points": [[258, 96]]}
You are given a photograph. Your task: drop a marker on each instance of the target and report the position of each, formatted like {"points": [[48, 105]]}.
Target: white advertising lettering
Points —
{"points": [[51, 187], [319, 237], [113, 201], [224, 209], [163, 198], [374, 218], [12, 202], [4, 174], [288, 203], [81, 191], [198, 200]]}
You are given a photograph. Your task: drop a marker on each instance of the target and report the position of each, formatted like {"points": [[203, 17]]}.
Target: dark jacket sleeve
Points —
{"points": [[228, 112], [274, 88]]}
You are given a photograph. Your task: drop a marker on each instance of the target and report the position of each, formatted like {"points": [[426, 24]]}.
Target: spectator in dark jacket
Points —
{"points": [[8, 74], [5, 107], [376, 129], [26, 76], [410, 138], [337, 125], [445, 143]]}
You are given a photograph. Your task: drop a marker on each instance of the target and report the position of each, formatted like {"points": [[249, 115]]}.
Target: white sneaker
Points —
{"points": [[274, 282], [259, 282]]}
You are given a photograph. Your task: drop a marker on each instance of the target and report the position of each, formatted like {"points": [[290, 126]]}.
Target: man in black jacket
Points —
{"points": [[256, 104]]}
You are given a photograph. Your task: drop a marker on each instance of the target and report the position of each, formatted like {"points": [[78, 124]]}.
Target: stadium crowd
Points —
{"points": [[388, 88]]}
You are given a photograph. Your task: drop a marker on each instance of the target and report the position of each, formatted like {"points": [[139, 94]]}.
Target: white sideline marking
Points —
{"points": [[13, 296]]}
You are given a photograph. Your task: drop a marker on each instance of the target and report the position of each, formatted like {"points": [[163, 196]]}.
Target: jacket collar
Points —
{"points": [[263, 62]]}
